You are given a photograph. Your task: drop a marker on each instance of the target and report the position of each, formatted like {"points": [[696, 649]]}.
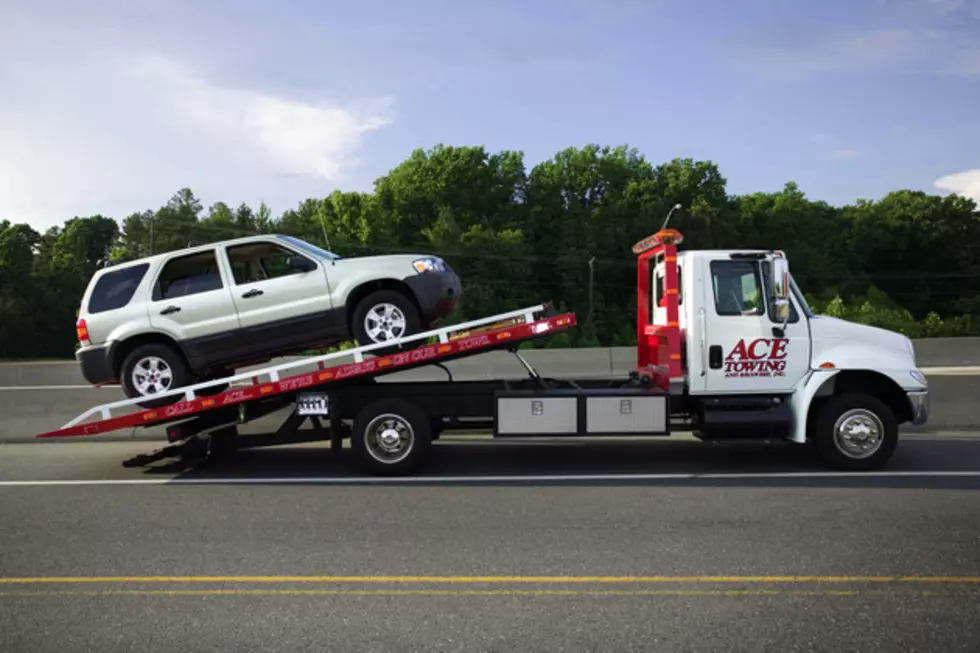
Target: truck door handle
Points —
{"points": [[169, 310], [255, 292], [714, 357]]}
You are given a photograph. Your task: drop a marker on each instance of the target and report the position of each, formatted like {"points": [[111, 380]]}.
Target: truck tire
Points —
{"points": [[153, 366], [385, 315], [390, 437], [855, 432]]}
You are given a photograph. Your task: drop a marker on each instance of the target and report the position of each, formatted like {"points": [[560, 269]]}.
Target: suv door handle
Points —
{"points": [[252, 293], [169, 310]]}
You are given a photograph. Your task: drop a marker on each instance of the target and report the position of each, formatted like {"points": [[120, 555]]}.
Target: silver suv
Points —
{"points": [[183, 317]]}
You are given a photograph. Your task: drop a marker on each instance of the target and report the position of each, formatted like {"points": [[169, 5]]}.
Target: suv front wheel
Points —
{"points": [[385, 316], [153, 369]]}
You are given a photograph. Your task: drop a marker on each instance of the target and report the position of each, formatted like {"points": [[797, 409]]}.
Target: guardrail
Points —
{"points": [[40, 396]]}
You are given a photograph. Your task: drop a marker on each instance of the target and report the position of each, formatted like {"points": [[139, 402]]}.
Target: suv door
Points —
{"points": [[191, 301], [280, 306]]}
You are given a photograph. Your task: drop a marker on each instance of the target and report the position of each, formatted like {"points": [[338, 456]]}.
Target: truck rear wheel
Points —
{"points": [[855, 432], [390, 437]]}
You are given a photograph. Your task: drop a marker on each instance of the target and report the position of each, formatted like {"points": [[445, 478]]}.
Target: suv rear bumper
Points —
{"points": [[94, 361], [437, 293]]}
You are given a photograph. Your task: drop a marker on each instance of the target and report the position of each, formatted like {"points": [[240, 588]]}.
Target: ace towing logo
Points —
{"points": [[757, 358]]}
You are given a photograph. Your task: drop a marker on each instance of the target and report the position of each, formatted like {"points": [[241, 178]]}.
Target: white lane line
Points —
{"points": [[41, 388], [8, 388], [964, 370], [955, 370], [512, 478]]}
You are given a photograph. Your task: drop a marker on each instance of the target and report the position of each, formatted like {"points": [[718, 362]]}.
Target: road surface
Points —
{"points": [[673, 546]]}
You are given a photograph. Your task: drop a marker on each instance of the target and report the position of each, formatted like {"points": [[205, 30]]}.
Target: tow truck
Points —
{"points": [[726, 346]]}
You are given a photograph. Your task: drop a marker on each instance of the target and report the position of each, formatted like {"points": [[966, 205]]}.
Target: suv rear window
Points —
{"points": [[114, 289]]}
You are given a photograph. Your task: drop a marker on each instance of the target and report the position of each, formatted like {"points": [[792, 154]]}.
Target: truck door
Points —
{"points": [[745, 355]]}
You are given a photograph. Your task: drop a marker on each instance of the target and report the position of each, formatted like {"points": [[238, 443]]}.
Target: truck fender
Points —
{"points": [[805, 392]]}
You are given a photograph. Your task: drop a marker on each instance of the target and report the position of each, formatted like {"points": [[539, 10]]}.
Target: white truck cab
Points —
{"points": [[754, 356]]}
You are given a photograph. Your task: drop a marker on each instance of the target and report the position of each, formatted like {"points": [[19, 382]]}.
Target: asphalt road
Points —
{"points": [[603, 547]]}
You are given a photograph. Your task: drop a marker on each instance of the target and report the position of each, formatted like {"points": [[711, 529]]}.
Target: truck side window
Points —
{"points": [[253, 262], [659, 281], [188, 275], [737, 288]]}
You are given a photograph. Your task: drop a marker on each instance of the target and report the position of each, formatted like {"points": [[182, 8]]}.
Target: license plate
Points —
{"points": [[313, 404]]}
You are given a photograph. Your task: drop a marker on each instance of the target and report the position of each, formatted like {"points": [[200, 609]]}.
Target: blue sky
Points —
{"points": [[112, 106]]}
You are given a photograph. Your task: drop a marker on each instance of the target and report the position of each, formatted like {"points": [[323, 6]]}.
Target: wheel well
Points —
{"points": [[865, 382], [126, 346], [369, 287]]}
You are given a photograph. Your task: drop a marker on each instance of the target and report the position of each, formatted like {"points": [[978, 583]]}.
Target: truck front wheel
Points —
{"points": [[855, 432], [390, 437]]}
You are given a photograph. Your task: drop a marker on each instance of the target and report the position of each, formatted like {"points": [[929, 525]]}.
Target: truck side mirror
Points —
{"points": [[781, 307], [780, 278], [780, 289]]}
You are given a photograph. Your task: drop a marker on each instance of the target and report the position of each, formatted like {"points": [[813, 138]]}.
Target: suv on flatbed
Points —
{"points": [[162, 322]]}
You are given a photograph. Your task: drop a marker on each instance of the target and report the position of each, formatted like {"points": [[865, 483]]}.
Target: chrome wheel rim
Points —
{"points": [[385, 322], [859, 433], [152, 375], [389, 438]]}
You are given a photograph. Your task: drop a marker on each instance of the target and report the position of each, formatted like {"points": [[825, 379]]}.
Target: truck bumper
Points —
{"points": [[94, 362], [919, 401]]}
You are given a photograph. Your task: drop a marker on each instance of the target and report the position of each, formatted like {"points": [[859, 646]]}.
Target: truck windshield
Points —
{"points": [[799, 297], [312, 249]]}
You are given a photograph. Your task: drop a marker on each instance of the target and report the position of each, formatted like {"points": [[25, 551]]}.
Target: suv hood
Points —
{"points": [[407, 259], [826, 330]]}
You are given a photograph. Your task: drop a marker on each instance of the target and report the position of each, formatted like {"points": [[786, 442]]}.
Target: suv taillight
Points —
{"points": [[82, 331]]}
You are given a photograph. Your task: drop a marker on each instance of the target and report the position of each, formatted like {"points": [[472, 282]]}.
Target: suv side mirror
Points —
{"points": [[780, 288], [300, 264]]}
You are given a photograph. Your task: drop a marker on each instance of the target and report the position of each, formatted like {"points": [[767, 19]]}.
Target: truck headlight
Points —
{"points": [[430, 264], [919, 376]]}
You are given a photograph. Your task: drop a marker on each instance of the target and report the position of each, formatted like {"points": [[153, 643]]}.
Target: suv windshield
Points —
{"points": [[312, 249]]}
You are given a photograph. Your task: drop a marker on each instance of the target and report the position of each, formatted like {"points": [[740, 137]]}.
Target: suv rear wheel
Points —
{"points": [[150, 370]]}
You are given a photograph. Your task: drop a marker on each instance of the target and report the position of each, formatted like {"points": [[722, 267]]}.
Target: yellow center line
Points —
{"points": [[435, 592], [34, 580]]}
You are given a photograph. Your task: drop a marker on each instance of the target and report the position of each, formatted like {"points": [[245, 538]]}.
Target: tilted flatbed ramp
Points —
{"points": [[532, 324]]}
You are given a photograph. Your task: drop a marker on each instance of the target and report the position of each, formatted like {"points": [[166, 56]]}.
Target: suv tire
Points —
{"points": [[164, 368], [403, 318]]}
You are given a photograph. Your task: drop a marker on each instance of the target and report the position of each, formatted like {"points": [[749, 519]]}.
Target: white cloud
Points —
{"points": [[310, 139], [965, 183], [970, 7], [803, 53], [90, 123]]}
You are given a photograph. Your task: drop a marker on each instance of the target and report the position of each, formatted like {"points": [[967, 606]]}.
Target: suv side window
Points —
{"points": [[115, 288], [253, 262], [737, 288], [188, 275]]}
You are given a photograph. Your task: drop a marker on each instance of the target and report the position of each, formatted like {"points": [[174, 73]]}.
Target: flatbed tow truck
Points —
{"points": [[725, 344]]}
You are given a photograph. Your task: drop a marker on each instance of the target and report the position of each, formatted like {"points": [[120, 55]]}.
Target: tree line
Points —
{"points": [[561, 231]]}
